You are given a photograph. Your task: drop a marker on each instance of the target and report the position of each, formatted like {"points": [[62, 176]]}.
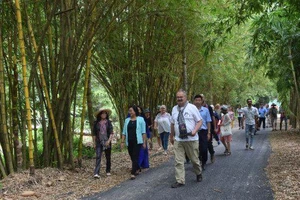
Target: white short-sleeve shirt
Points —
{"points": [[250, 114], [191, 116], [163, 122]]}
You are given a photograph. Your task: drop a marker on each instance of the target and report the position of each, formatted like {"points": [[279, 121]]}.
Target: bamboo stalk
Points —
{"points": [[45, 89], [25, 87], [87, 72], [86, 83], [2, 169], [296, 88], [7, 152]]}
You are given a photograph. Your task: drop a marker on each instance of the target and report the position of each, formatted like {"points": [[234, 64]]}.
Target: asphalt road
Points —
{"points": [[239, 176]]}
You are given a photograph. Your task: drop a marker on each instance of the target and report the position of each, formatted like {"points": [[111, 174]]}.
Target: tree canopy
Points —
{"points": [[59, 56]]}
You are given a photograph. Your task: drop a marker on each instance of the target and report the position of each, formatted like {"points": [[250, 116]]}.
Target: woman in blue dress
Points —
{"points": [[144, 152]]}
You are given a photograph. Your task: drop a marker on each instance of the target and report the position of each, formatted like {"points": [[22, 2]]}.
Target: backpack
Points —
{"points": [[274, 112]]}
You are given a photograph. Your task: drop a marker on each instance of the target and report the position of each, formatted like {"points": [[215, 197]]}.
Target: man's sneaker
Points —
{"points": [[251, 148], [96, 176], [199, 178], [108, 174], [176, 185], [247, 146], [160, 149]]}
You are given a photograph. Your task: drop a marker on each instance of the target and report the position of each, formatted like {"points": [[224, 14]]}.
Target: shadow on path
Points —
{"points": [[239, 176]]}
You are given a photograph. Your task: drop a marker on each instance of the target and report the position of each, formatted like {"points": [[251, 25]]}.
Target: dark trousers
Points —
{"points": [[263, 120], [285, 122], [99, 150], [240, 122], [134, 152], [210, 144], [203, 145]]}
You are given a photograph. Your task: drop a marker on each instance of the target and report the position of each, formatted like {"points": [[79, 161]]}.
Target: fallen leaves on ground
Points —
{"points": [[284, 164], [52, 183]]}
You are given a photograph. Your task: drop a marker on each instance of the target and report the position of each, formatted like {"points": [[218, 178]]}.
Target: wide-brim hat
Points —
{"points": [[146, 110], [108, 111], [225, 108], [273, 104]]}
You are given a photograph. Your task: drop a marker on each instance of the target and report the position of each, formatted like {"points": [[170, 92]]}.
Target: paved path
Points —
{"points": [[239, 176]]}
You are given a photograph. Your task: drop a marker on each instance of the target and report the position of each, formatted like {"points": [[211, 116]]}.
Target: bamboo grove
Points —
{"points": [[140, 51], [47, 51]]}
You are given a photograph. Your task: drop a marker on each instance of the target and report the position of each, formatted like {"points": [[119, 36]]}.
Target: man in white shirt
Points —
{"points": [[185, 123], [250, 118]]}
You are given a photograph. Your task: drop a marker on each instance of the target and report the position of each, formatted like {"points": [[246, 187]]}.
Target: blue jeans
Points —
{"points": [[249, 133], [164, 136]]}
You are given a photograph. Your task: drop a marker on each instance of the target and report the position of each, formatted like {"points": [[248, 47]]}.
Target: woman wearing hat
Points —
{"points": [[102, 137], [134, 134], [273, 114]]}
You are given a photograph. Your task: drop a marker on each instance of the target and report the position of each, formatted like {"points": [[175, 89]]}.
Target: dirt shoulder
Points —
{"points": [[52, 183], [284, 164]]}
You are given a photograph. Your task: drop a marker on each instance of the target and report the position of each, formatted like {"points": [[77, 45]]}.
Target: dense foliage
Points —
{"points": [[59, 56]]}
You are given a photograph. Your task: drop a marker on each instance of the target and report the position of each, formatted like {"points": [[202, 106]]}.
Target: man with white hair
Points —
{"points": [[185, 123]]}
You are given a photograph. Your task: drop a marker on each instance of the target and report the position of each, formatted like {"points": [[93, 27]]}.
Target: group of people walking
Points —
{"points": [[136, 132], [190, 128]]}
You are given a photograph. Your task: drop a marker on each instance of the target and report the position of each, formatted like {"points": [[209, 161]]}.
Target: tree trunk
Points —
{"points": [[184, 64], [86, 84], [26, 91], [89, 97], [33, 93], [297, 98], [45, 89], [46, 152], [2, 169], [15, 122], [5, 140]]}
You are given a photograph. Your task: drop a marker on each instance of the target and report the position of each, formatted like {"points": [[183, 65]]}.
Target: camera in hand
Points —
{"points": [[183, 134]]}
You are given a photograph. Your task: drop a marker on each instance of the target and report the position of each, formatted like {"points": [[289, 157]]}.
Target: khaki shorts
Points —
{"points": [[273, 119]]}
